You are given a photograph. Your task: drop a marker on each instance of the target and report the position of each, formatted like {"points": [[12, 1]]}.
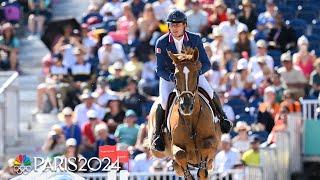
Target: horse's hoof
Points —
{"points": [[202, 174]]}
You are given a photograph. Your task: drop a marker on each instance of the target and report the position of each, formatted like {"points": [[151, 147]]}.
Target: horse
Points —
{"points": [[193, 133]]}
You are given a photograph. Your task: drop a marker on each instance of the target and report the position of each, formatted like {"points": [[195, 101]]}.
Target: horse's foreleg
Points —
{"points": [[206, 154], [180, 157]]}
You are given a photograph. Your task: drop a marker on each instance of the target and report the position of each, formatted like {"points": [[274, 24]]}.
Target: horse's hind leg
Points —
{"points": [[180, 157]]}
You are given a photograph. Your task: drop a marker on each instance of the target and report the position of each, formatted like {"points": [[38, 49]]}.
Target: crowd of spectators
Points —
{"points": [[14, 15], [102, 76]]}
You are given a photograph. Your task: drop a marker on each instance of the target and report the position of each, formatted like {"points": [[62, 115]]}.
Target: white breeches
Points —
{"points": [[166, 87]]}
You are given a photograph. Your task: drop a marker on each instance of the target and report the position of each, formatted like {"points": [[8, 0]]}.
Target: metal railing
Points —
{"points": [[310, 108], [9, 110], [248, 173]]}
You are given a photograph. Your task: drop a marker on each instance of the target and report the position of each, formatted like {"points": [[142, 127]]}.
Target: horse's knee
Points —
{"points": [[207, 143]]}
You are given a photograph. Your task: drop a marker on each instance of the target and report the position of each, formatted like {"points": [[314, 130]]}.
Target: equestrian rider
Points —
{"points": [[173, 41]]}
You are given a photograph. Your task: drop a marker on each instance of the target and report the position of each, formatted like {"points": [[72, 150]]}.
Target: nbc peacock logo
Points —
{"points": [[22, 164]]}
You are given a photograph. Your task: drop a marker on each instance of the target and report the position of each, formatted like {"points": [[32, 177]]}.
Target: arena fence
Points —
{"points": [[248, 173], [9, 110], [310, 108]]}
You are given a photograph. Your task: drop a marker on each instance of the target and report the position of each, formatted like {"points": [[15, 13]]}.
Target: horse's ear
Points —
{"points": [[173, 57], [195, 54]]}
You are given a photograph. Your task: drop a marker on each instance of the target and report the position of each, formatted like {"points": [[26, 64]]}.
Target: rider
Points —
{"points": [[173, 41]]}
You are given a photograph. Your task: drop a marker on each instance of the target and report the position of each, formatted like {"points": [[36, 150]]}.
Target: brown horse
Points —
{"points": [[194, 134]]}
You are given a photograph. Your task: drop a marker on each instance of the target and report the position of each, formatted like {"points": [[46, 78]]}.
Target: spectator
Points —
{"points": [[82, 109], [103, 93], [89, 43], [290, 102], [127, 133], [9, 48], [133, 67], [252, 156], [229, 28], [82, 72], [114, 115], [267, 18], [248, 15], [214, 75], [70, 128], [281, 36], [148, 71], [241, 79], [228, 157], [253, 65], [147, 24], [228, 63], [37, 17], [137, 7], [110, 52], [72, 152], [265, 72], [159, 165], [114, 7], [276, 83], [268, 109], [161, 9], [217, 45], [241, 141], [303, 58], [103, 137], [55, 142], [142, 162], [117, 78], [315, 79], [291, 76], [87, 131], [93, 11], [133, 99], [66, 45], [197, 18], [218, 13], [243, 43], [280, 124], [225, 107], [126, 26], [57, 73]]}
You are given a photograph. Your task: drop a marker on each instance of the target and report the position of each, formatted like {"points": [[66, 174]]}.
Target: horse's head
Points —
{"points": [[186, 73]]}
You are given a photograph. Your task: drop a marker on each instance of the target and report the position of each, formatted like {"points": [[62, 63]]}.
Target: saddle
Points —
{"points": [[203, 94]]}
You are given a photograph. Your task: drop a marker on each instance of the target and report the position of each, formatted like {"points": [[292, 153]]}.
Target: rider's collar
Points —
{"points": [[185, 37]]}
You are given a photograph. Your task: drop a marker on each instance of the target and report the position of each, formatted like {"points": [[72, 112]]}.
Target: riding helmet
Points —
{"points": [[177, 16]]}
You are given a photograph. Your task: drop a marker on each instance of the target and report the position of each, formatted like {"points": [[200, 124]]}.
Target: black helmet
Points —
{"points": [[177, 16]]}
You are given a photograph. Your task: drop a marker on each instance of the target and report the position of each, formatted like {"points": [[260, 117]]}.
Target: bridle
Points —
{"points": [[192, 93]]}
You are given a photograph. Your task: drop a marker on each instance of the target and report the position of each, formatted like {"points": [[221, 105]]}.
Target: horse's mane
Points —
{"points": [[186, 56]]}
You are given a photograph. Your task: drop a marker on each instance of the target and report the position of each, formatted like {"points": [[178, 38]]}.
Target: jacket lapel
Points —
{"points": [[171, 46]]}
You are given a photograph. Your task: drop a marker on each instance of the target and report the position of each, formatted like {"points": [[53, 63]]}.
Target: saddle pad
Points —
{"points": [[202, 96]]}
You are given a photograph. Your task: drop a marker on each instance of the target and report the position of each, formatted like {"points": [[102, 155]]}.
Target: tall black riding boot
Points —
{"points": [[225, 124], [157, 137]]}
